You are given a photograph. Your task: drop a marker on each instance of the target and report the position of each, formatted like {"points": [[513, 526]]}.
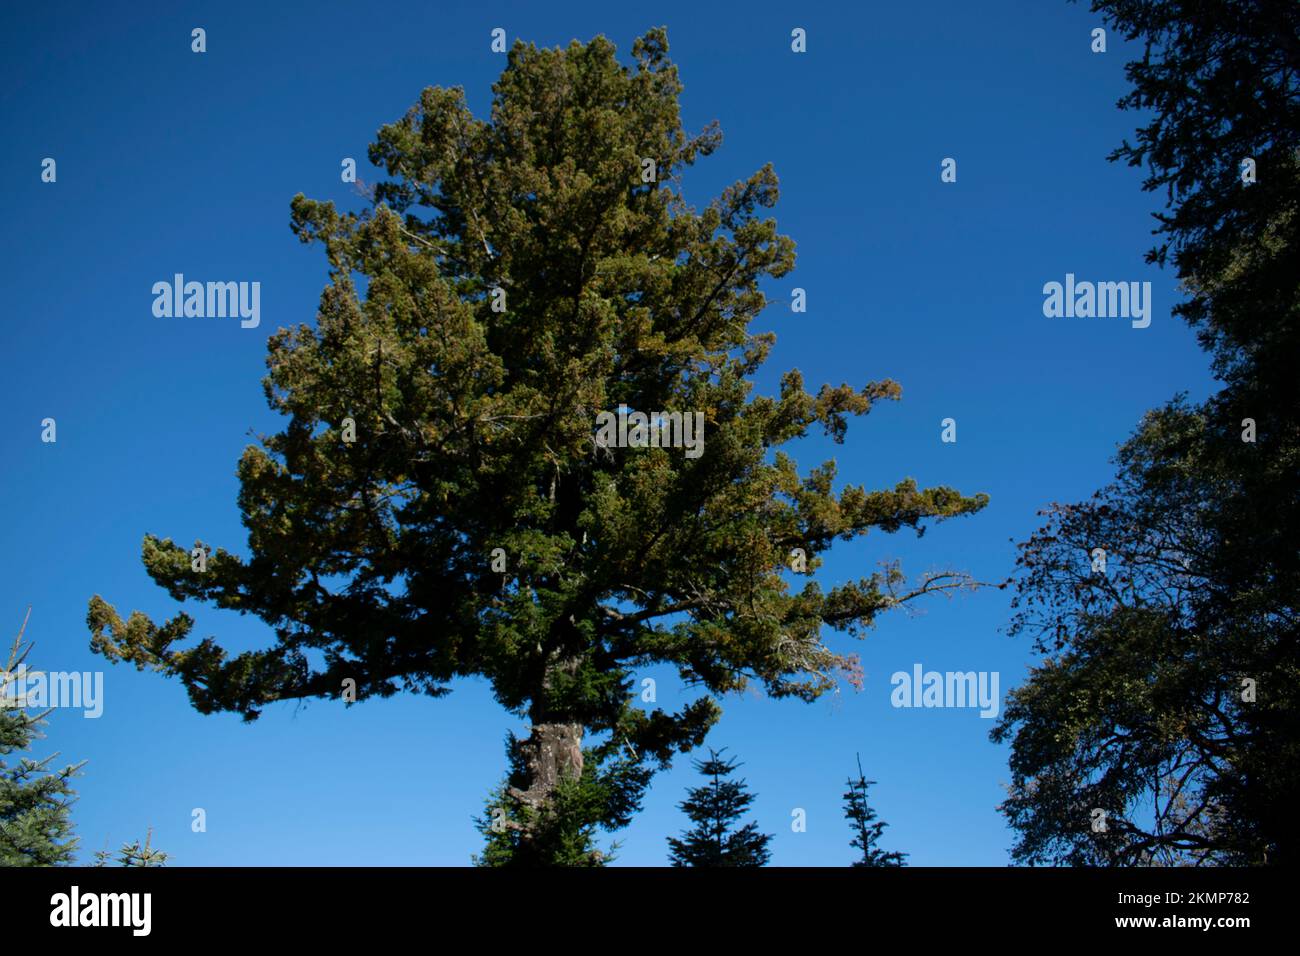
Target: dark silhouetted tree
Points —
{"points": [[866, 828], [1166, 706], [714, 809]]}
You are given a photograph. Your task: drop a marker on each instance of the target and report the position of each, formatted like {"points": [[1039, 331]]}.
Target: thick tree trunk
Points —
{"points": [[552, 752], [550, 755]]}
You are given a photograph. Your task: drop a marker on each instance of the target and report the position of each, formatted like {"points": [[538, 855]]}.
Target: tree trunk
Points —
{"points": [[550, 755], [552, 752]]}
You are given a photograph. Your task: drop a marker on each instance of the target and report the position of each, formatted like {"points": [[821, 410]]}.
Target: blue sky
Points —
{"points": [[170, 161]]}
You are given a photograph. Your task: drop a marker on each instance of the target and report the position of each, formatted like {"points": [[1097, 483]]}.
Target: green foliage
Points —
{"points": [[1218, 84], [1138, 708], [714, 809], [866, 828], [35, 802], [371, 559], [562, 831], [133, 854], [1168, 695]]}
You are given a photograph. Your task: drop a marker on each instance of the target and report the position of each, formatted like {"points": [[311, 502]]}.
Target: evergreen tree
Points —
{"points": [[133, 854], [866, 828], [610, 788], [1166, 707], [35, 801], [440, 505], [713, 809]]}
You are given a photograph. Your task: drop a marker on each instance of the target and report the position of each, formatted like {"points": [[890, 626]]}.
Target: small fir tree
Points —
{"points": [[35, 801], [133, 854], [714, 809], [866, 828]]}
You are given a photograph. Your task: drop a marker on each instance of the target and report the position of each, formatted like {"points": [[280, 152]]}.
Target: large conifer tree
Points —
{"points": [[515, 277]]}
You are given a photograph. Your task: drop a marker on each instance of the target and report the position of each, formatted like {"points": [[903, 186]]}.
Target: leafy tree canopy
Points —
{"points": [[1167, 698], [514, 277]]}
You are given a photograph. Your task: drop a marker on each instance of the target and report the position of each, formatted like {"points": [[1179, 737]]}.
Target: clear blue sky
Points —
{"points": [[171, 162]]}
